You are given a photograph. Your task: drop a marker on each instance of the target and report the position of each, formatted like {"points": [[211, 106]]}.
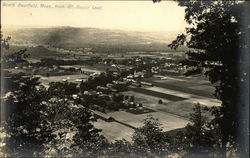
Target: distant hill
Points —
{"points": [[36, 52], [72, 37], [41, 52]]}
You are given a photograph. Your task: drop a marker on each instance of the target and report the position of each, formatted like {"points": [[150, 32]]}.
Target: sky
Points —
{"points": [[124, 15]]}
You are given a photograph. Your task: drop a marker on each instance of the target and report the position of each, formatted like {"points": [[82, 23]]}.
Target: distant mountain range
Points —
{"points": [[72, 37]]}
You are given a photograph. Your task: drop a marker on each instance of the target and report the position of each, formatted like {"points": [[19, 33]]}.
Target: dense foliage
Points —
{"points": [[217, 36]]}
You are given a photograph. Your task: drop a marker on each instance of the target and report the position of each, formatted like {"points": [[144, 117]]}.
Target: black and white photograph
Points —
{"points": [[143, 79]]}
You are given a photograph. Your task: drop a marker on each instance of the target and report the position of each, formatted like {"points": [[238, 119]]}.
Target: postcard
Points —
{"points": [[124, 78]]}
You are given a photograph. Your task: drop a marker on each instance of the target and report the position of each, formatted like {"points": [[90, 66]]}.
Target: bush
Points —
{"points": [[160, 101]]}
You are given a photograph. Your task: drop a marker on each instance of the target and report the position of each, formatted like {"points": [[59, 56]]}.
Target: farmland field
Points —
{"points": [[54, 73], [179, 108], [168, 121], [158, 94], [191, 97], [96, 68], [114, 131], [69, 78], [180, 86]]}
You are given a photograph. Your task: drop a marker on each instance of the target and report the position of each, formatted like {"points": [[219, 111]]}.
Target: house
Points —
{"points": [[89, 92], [138, 74], [130, 76], [112, 70]]}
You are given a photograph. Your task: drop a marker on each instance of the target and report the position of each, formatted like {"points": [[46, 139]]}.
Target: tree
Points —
{"points": [[87, 137], [151, 139], [118, 98], [63, 89], [26, 122], [200, 137], [4, 41], [13, 59], [39, 119], [217, 36], [41, 124]]}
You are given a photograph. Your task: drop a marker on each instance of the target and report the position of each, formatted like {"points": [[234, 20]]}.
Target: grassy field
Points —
{"points": [[114, 131], [190, 97], [69, 78], [168, 121], [99, 67], [158, 94], [125, 122], [182, 87], [179, 108], [96, 68], [193, 83], [55, 73]]}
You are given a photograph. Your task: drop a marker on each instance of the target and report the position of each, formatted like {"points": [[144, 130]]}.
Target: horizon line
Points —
{"points": [[5, 26]]}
